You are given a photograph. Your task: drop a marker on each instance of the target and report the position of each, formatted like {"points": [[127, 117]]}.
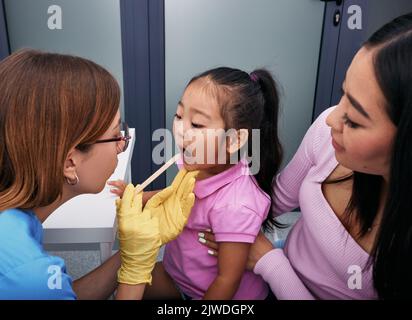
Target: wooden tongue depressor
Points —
{"points": [[155, 175]]}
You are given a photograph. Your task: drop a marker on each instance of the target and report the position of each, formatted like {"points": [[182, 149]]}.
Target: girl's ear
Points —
{"points": [[237, 139]]}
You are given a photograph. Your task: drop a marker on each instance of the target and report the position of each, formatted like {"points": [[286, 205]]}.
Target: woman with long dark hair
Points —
{"points": [[352, 179]]}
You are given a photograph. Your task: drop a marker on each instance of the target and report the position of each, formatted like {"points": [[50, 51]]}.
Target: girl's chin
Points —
{"points": [[190, 167]]}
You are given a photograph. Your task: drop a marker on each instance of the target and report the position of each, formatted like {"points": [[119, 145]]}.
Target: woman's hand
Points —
{"points": [[259, 248], [141, 232]]}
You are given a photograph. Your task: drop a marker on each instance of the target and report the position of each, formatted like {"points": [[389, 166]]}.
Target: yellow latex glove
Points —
{"points": [[139, 238], [172, 206]]}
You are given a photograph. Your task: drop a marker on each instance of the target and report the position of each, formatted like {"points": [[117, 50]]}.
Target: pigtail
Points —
{"points": [[271, 154]]}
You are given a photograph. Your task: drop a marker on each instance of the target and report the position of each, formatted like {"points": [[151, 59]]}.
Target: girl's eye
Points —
{"points": [[349, 122], [197, 126], [178, 117]]}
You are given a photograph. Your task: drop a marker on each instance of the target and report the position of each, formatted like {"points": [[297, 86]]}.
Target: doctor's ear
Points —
{"points": [[70, 167], [237, 139]]}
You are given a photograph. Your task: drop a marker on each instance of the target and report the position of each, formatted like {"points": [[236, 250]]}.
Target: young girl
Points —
{"points": [[229, 200]]}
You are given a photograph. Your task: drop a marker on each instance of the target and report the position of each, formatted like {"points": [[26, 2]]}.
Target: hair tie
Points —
{"points": [[254, 77]]}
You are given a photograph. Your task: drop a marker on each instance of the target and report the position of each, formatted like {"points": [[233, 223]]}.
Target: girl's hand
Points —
{"points": [[258, 249], [118, 187]]}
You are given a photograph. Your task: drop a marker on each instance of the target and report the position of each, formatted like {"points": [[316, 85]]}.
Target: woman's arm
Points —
{"points": [[272, 265], [231, 266], [286, 186]]}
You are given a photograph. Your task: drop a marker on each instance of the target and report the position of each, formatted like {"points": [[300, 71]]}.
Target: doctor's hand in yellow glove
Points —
{"points": [[172, 206], [141, 232]]}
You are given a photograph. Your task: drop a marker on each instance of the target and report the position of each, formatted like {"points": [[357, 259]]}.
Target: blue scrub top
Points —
{"points": [[26, 270]]}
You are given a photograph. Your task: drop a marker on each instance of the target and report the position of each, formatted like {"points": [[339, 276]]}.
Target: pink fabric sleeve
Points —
{"points": [[274, 267], [286, 186], [235, 223]]}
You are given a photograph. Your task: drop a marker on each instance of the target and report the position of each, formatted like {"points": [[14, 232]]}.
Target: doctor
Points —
{"points": [[60, 134]]}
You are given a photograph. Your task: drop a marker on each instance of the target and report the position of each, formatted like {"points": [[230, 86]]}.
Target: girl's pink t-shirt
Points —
{"points": [[234, 207]]}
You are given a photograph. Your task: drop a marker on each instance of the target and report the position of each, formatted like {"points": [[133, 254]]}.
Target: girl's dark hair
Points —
{"points": [[251, 102], [392, 252]]}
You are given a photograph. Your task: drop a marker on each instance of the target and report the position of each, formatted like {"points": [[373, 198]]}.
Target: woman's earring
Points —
{"points": [[71, 182]]}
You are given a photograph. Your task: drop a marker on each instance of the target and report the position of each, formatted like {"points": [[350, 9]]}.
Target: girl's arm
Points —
{"points": [[231, 266]]}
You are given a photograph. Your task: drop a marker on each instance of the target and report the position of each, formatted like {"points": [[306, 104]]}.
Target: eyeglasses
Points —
{"points": [[122, 141]]}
